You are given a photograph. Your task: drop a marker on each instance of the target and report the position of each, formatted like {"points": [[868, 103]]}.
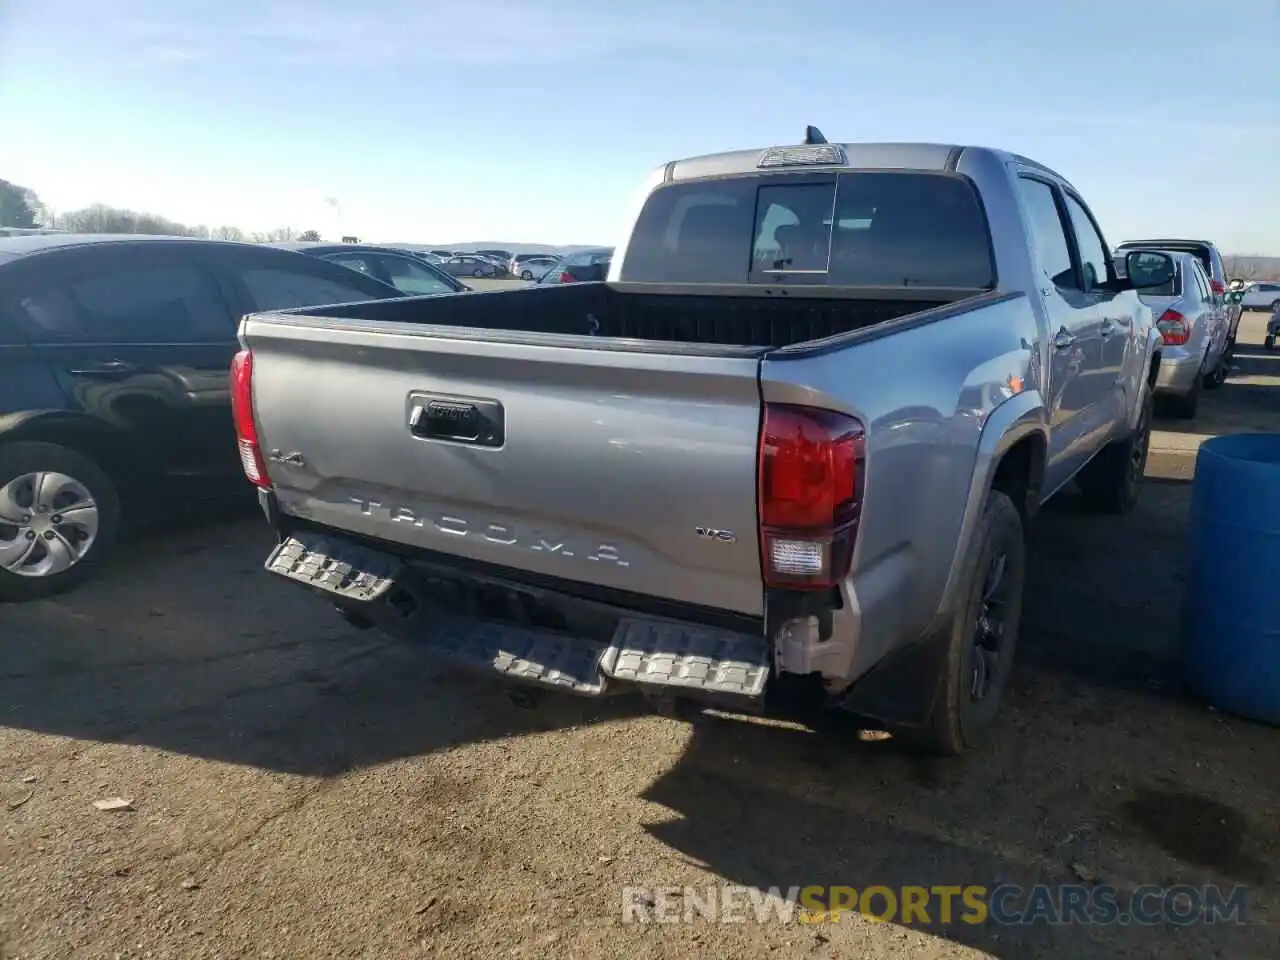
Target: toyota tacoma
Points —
{"points": [[788, 447]]}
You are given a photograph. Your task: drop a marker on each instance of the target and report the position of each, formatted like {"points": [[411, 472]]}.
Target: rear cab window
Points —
{"points": [[882, 229]]}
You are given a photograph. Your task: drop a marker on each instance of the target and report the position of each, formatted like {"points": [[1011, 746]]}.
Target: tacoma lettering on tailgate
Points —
{"points": [[502, 534]]}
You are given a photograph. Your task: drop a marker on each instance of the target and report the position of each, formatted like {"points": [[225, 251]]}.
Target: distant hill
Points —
{"points": [[1251, 268]]}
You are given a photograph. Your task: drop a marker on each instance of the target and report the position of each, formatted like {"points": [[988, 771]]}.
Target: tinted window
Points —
{"points": [[276, 289], [694, 232], [9, 333], [793, 228], [901, 229], [413, 278], [354, 262], [1093, 251], [589, 258], [138, 304], [1047, 232], [863, 229], [1171, 287], [1202, 289]]}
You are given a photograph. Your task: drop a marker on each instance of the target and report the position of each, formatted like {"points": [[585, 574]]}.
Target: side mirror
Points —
{"points": [[1148, 268], [1235, 296]]}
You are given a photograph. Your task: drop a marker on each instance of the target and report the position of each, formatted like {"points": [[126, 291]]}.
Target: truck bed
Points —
{"points": [[733, 315], [600, 434]]}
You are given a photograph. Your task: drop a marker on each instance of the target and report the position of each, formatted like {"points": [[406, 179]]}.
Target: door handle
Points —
{"points": [[1063, 339], [106, 368]]}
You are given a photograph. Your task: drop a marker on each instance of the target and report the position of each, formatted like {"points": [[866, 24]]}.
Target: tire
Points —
{"points": [[1216, 378], [1111, 481], [992, 595], [1269, 343], [526, 275], [88, 484], [1185, 406], [478, 273]]}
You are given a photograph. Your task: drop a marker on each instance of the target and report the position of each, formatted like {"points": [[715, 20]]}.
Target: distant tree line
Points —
{"points": [[1251, 268], [20, 207]]}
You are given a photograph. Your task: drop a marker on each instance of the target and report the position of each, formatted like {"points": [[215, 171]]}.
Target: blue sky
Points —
{"points": [[535, 120]]}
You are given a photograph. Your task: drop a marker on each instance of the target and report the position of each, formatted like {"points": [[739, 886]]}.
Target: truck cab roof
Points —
{"points": [[835, 156]]}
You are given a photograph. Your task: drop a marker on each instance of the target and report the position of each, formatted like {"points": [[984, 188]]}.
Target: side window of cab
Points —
{"points": [[1094, 260]]}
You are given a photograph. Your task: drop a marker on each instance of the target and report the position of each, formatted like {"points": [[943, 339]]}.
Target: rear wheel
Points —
{"points": [[1269, 342], [1218, 376], [478, 272], [526, 275], [978, 655], [1110, 483], [1185, 406], [59, 517]]}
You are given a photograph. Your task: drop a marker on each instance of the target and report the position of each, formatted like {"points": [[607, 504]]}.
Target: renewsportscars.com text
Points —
{"points": [[1007, 904]]}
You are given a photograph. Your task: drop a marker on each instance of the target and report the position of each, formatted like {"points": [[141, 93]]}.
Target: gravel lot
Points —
{"points": [[303, 790]]}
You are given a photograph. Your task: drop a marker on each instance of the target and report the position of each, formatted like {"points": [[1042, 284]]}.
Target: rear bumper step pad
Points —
{"points": [[527, 656], [657, 655], [665, 654]]}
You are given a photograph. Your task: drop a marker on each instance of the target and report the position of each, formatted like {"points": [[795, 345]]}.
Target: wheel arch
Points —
{"points": [[1012, 455], [109, 447]]}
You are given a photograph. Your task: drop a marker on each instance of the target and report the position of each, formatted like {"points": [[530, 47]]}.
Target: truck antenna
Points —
{"points": [[813, 135]]}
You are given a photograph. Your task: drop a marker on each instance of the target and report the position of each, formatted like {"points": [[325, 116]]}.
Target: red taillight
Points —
{"points": [[1218, 286], [566, 277], [255, 468], [810, 495], [1173, 328]]}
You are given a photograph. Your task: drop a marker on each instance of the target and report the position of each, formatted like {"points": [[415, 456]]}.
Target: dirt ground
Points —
{"points": [[301, 790]]}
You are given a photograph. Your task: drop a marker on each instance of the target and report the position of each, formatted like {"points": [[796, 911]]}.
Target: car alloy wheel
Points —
{"points": [[48, 522], [988, 630]]}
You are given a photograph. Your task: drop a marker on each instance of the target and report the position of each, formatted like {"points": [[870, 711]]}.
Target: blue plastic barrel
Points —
{"points": [[1231, 609]]}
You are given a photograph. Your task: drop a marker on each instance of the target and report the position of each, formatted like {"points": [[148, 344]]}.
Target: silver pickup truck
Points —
{"points": [[787, 449]]}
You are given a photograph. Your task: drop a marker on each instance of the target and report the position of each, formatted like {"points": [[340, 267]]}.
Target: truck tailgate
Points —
{"points": [[617, 467]]}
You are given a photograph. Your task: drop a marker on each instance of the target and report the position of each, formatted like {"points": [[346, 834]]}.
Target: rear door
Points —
{"points": [[1073, 390], [1213, 316], [25, 382], [139, 335], [1116, 336]]}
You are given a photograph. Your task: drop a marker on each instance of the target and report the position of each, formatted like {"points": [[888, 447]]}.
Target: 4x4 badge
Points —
{"points": [[289, 459]]}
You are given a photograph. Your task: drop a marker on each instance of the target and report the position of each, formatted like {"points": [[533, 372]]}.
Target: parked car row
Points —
{"points": [[1196, 318], [1259, 295]]}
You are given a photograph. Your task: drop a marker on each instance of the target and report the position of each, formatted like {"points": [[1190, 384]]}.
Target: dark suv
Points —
{"points": [[114, 376]]}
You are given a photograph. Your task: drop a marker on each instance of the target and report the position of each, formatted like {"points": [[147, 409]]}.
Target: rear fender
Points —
{"points": [[108, 446], [1021, 416]]}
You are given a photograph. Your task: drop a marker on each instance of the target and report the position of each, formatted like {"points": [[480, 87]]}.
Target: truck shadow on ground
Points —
{"points": [[775, 807], [187, 644]]}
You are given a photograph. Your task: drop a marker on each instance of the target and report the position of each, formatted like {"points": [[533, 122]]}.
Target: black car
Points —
{"points": [[585, 266], [114, 384], [411, 275]]}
